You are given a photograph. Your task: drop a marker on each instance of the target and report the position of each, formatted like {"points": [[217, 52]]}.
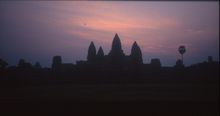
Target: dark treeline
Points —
{"points": [[205, 72]]}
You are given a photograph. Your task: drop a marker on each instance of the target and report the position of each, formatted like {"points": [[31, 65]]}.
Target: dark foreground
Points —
{"points": [[190, 92], [112, 99], [174, 108]]}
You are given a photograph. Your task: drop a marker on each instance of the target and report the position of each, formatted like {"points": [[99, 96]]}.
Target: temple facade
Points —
{"points": [[116, 56], [116, 59]]}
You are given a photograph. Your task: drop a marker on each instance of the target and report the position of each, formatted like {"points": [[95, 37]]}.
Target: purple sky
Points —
{"points": [[39, 30]]}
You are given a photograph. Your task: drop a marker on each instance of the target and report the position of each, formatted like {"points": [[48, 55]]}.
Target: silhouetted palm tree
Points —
{"points": [[182, 50]]}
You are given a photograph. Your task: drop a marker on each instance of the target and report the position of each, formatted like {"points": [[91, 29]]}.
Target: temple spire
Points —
{"points": [[116, 43], [116, 54], [136, 55], [100, 56], [100, 52], [116, 49], [91, 52]]}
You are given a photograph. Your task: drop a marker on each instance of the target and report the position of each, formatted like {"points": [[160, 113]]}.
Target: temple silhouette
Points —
{"points": [[114, 60], [116, 56]]}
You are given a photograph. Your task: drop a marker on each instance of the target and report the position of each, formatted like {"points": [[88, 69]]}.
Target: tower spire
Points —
{"points": [[91, 52], [100, 52], [116, 43], [116, 53], [116, 47], [136, 54]]}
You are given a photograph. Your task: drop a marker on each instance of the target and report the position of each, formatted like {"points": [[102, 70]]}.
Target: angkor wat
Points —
{"points": [[116, 81], [116, 55], [114, 60]]}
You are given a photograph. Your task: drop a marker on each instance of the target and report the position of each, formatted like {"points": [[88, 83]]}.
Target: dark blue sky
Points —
{"points": [[36, 31]]}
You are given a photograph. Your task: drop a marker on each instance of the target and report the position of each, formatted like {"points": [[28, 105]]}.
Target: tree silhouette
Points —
{"points": [[37, 65], [182, 50], [21, 63], [3, 63]]}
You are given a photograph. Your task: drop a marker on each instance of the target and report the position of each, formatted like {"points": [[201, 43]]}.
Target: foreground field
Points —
{"points": [[153, 99]]}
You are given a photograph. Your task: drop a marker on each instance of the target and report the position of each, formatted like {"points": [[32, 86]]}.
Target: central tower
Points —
{"points": [[116, 47], [116, 55]]}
